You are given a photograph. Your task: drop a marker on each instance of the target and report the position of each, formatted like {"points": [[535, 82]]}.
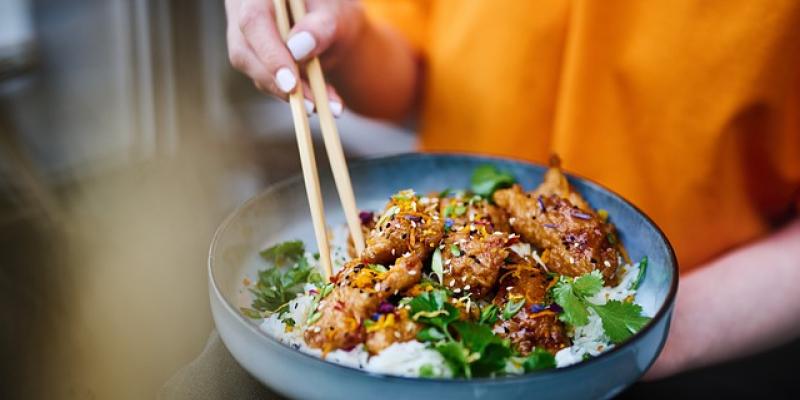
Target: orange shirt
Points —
{"points": [[690, 109]]}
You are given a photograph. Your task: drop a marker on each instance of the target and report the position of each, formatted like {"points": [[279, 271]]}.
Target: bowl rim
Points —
{"points": [[362, 162]]}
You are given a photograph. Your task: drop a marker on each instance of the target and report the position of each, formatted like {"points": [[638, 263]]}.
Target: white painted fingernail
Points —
{"points": [[301, 44], [285, 80], [309, 106], [336, 108]]}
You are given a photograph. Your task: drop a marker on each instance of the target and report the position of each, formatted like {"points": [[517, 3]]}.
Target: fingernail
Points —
{"points": [[336, 108], [285, 80], [301, 44], [309, 106]]}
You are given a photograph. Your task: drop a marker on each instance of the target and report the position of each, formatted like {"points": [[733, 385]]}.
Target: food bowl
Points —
{"points": [[281, 213]]}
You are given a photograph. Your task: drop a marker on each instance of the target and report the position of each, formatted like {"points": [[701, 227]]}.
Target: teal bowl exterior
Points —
{"points": [[281, 213]]}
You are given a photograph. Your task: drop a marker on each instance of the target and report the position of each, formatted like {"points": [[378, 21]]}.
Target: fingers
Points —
{"points": [[334, 101], [319, 29], [257, 49]]}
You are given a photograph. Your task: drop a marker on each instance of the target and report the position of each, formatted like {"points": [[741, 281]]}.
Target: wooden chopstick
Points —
{"points": [[333, 144], [307, 159]]}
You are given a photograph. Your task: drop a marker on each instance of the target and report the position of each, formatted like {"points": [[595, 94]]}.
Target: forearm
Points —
{"points": [[739, 304], [379, 76]]}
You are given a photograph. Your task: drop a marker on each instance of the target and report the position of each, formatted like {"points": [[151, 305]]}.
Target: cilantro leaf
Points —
{"points": [[454, 250], [512, 308], [426, 371], [538, 359], [487, 178], [430, 334], [488, 353], [620, 319], [456, 356], [575, 312], [283, 254], [283, 281], [432, 308], [588, 285]]}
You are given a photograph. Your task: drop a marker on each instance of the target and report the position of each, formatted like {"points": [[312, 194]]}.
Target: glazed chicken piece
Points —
{"points": [[409, 224], [574, 240], [390, 328], [405, 238], [461, 211], [534, 325], [472, 260], [475, 246]]}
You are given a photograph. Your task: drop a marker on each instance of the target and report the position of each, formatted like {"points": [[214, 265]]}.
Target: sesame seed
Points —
{"points": [[452, 282], [606, 263], [467, 287], [512, 220], [571, 260], [412, 272], [456, 290]]}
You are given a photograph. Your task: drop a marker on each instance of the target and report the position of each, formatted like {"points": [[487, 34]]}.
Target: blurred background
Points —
{"points": [[125, 138]]}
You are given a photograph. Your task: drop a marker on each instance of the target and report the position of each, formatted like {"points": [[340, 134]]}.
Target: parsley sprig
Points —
{"points": [[288, 271], [620, 319]]}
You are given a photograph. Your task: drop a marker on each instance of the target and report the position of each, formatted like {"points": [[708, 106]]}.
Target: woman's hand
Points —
{"points": [[255, 46]]}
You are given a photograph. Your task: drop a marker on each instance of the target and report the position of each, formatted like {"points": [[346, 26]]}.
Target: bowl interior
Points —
{"points": [[281, 213]]}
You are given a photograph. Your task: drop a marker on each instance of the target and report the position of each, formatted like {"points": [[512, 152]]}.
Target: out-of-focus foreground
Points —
{"points": [[125, 138]]}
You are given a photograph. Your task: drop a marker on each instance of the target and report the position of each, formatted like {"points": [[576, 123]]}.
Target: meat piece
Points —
{"points": [[409, 224], [573, 241], [396, 327], [529, 328], [556, 183], [475, 246], [472, 260], [359, 290], [461, 211]]}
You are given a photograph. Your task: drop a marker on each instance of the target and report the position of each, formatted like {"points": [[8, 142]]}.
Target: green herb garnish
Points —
{"points": [[436, 265], [488, 315], [486, 179], [538, 359], [620, 319], [284, 253], [454, 250], [512, 308], [640, 277], [277, 285]]}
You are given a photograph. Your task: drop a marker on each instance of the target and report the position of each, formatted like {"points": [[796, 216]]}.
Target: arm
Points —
{"points": [[740, 304], [374, 69]]}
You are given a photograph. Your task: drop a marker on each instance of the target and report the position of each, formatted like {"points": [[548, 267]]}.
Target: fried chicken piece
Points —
{"points": [[529, 328], [409, 224], [476, 245], [556, 183], [405, 237], [391, 328], [461, 211], [472, 260], [573, 241]]}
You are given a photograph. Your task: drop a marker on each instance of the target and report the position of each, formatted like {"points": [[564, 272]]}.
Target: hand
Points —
{"points": [[255, 46]]}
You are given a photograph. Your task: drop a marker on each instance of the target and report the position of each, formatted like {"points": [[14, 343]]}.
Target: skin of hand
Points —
{"points": [[741, 303], [356, 54]]}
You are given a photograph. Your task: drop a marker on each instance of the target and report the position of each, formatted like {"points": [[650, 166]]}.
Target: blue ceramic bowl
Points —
{"points": [[281, 213]]}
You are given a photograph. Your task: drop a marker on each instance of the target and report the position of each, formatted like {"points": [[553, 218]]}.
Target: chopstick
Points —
{"points": [[307, 159], [333, 144]]}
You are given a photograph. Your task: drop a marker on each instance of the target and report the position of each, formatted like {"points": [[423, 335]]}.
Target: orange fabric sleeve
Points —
{"points": [[408, 17]]}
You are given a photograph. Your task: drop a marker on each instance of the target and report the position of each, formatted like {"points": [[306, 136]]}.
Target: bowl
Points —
{"points": [[281, 213]]}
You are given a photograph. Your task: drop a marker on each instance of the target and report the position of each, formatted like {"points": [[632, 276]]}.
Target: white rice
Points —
{"points": [[406, 359]]}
